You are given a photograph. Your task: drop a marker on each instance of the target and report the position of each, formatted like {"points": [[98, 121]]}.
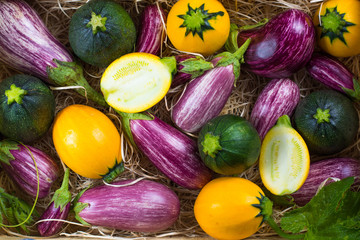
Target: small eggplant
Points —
{"points": [[189, 67], [279, 97], [171, 151], [58, 209], [279, 48], [334, 74], [320, 171], [17, 160], [131, 205], [151, 30], [206, 95], [27, 45]]}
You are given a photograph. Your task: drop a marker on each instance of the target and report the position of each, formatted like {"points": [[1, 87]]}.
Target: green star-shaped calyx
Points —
{"points": [[196, 20], [334, 25]]}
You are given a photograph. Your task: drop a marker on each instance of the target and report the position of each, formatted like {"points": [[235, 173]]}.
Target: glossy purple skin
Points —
{"points": [[330, 71], [320, 171], [22, 170], [279, 97], [151, 30], [25, 42], [203, 98], [281, 47], [49, 228], [181, 78], [171, 151], [145, 206]]}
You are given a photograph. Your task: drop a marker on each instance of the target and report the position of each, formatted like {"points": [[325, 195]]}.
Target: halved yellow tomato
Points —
{"points": [[229, 208], [88, 142], [136, 81], [284, 158], [337, 24], [198, 26]]}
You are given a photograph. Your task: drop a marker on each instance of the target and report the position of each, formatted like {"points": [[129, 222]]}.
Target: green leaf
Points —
{"points": [[334, 213], [5, 147]]}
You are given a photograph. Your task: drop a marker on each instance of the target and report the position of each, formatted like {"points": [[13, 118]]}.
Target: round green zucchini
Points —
{"points": [[101, 31], [229, 144], [27, 108], [327, 120]]}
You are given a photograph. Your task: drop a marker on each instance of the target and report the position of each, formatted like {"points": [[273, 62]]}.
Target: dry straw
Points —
{"points": [[56, 14]]}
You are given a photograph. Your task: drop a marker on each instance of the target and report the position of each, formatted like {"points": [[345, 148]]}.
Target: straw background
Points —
{"points": [[56, 14]]}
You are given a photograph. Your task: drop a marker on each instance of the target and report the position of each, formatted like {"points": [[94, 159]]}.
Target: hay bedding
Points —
{"points": [[56, 14]]}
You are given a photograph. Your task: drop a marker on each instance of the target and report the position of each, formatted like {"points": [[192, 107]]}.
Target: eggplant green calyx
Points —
{"points": [[322, 115], [353, 93], [114, 171], [211, 145], [15, 94], [196, 20], [125, 123], [97, 22], [170, 63], [71, 74], [333, 25], [62, 196], [15, 211], [79, 206], [5, 147], [195, 66], [235, 58]]}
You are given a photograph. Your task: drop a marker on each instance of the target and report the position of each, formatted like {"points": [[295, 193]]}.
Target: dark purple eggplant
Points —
{"points": [[58, 209], [27, 45], [320, 171], [17, 160], [334, 74], [279, 97], [140, 206], [151, 32], [171, 151], [206, 95], [279, 48]]}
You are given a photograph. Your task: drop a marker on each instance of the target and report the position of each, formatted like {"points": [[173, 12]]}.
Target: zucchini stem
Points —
{"points": [[15, 94]]}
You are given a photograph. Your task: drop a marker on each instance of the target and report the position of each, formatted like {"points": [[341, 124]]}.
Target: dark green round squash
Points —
{"points": [[27, 108], [229, 144], [327, 120], [101, 31]]}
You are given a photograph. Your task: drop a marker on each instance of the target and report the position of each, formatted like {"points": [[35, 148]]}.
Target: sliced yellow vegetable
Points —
{"points": [[137, 81], [284, 159]]}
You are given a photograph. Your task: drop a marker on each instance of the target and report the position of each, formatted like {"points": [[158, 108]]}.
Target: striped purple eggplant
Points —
{"points": [[278, 98], [151, 32], [280, 47], [334, 74], [171, 151], [58, 209], [131, 205], [206, 95], [325, 172], [27, 45], [17, 160]]}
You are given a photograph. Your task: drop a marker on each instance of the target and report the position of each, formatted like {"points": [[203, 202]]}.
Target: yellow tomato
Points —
{"points": [[87, 141], [337, 24], [224, 208], [198, 26]]}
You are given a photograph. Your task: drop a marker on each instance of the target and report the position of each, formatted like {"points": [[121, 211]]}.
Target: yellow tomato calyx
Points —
{"points": [[114, 172], [196, 20], [334, 25]]}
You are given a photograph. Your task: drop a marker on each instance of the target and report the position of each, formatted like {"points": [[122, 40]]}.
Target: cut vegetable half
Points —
{"points": [[284, 159], [137, 81]]}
